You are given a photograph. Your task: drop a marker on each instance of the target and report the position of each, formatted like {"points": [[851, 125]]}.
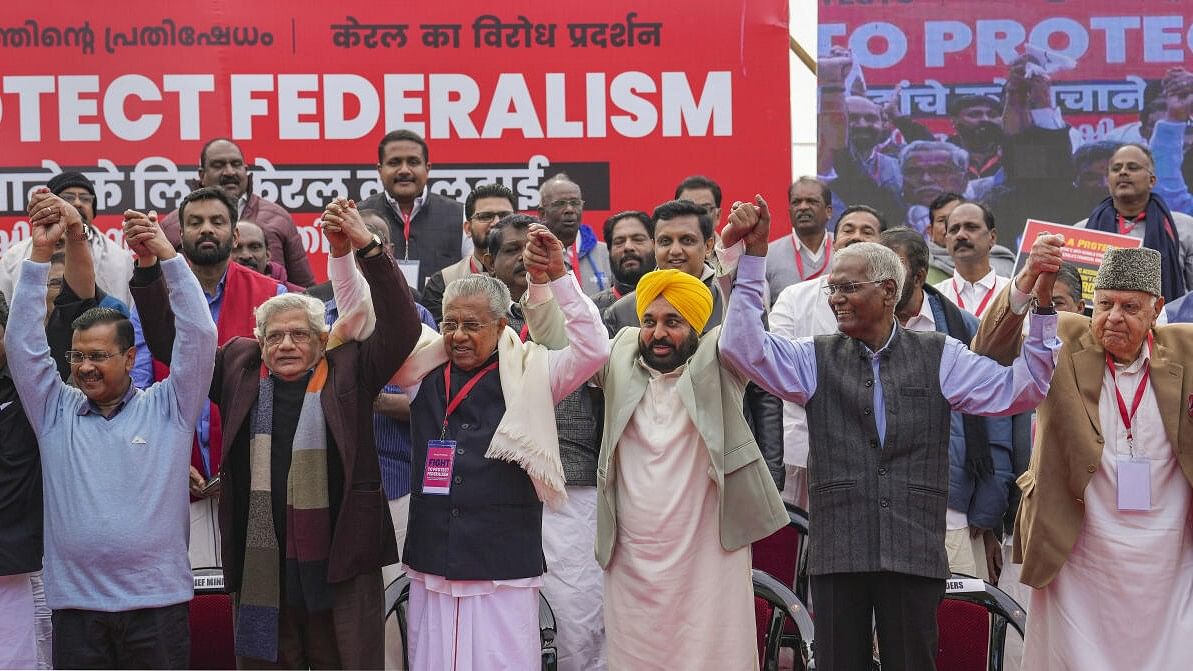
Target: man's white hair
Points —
{"points": [[313, 307], [493, 289], [959, 156], [881, 263]]}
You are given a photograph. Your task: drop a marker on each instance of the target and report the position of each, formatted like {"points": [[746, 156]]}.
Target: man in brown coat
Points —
{"points": [[306, 528], [1103, 529]]}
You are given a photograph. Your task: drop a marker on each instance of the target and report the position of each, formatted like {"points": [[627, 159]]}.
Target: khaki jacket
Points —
{"points": [[1068, 442], [749, 506]]}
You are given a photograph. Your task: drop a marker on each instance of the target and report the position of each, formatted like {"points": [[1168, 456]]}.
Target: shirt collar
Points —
{"points": [[824, 242], [418, 202], [890, 338], [987, 282], [91, 408], [1145, 355], [926, 316], [242, 203]]}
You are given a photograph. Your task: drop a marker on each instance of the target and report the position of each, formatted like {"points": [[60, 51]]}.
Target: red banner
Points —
{"points": [[627, 98], [1100, 52]]}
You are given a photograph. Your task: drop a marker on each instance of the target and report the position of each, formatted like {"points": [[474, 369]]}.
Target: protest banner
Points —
{"points": [[627, 98], [1083, 248]]}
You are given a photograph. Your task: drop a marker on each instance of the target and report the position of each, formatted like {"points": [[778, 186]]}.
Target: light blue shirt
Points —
{"points": [[117, 510], [972, 384]]}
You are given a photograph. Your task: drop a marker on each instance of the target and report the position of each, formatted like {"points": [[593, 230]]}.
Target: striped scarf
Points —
{"points": [[308, 523]]}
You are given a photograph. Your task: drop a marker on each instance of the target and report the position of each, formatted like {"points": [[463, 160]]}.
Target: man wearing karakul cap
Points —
{"points": [[682, 488], [1104, 531]]}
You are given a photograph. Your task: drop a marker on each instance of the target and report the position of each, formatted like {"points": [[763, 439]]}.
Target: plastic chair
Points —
{"points": [[397, 599], [783, 554], [783, 622], [212, 645], [973, 619]]}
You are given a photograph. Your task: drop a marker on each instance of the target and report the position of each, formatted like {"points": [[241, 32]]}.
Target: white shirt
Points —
{"points": [[973, 297], [802, 310]]}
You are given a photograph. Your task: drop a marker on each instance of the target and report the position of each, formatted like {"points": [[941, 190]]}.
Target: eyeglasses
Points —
{"points": [[470, 328], [81, 198], [846, 288], [564, 203], [708, 208], [75, 356], [490, 216], [297, 336]]}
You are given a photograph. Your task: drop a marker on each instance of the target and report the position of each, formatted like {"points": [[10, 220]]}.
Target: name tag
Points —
{"points": [[409, 268], [437, 475], [1134, 484]]}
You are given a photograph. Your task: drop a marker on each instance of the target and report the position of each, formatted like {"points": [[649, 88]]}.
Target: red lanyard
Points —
{"points": [[574, 257], [799, 259], [981, 306], [525, 332], [616, 291], [1127, 417], [452, 404], [1125, 225], [990, 163], [405, 228], [472, 265]]}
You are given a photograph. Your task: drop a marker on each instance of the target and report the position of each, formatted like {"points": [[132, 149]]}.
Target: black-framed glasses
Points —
{"points": [[490, 216], [75, 356], [297, 336], [847, 288], [564, 203], [470, 328], [82, 198]]}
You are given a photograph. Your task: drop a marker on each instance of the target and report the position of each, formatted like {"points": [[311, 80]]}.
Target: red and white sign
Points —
{"points": [[627, 98]]}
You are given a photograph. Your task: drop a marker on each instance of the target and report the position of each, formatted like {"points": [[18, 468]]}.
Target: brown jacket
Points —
{"points": [[1068, 445], [363, 538]]}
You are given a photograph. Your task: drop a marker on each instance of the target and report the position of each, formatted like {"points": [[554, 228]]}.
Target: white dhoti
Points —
{"points": [[1124, 597], [573, 581], [473, 625], [18, 637], [674, 598], [204, 550]]}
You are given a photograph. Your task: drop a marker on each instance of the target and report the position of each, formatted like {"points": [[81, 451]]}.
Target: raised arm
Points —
{"points": [[588, 347], [1167, 141], [398, 325], [1000, 333], [33, 370], [977, 385], [783, 367], [192, 354]]}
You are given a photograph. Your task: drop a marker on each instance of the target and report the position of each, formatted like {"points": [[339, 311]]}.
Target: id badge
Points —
{"points": [[437, 476], [409, 268], [1134, 484]]}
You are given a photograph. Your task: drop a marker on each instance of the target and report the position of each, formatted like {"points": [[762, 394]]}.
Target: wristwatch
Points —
{"points": [[1039, 309], [364, 251]]}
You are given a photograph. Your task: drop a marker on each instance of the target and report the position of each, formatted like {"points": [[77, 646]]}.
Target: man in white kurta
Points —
{"points": [[1104, 529], [682, 489]]}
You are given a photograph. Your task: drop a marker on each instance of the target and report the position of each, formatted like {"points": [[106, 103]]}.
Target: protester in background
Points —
{"points": [[704, 192], [117, 576], [805, 253], [423, 226], [1132, 209], [222, 165], [113, 265], [486, 205], [561, 206], [629, 236], [971, 238], [252, 251]]}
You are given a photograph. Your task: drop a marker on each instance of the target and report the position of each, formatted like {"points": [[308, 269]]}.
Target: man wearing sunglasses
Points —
{"points": [[114, 458], [878, 400]]}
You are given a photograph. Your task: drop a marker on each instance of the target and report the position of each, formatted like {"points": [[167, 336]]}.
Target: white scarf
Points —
{"points": [[526, 386]]}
